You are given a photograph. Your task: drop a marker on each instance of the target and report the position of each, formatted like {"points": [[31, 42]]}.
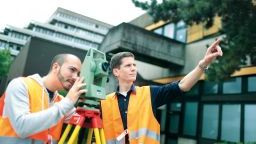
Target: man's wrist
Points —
{"points": [[204, 67]]}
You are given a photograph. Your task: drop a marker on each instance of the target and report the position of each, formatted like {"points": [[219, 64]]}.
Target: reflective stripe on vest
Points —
{"points": [[136, 135], [144, 132], [115, 141]]}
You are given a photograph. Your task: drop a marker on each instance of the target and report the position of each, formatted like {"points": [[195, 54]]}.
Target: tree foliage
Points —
{"points": [[238, 24], [5, 61]]}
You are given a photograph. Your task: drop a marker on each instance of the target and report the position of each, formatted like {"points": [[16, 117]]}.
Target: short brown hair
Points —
{"points": [[116, 59], [60, 58]]}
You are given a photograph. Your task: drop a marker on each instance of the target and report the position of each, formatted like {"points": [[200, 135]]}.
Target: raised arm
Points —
{"points": [[192, 77]]}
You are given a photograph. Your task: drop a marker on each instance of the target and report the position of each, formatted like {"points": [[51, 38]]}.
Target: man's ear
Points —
{"points": [[115, 72], [55, 66]]}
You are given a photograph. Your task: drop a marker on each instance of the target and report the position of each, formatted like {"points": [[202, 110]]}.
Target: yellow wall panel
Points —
{"points": [[195, 32], [155, 25], [215, 28]]}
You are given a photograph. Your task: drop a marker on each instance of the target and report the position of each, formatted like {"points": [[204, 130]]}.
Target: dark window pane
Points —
{"points": [[174, 123], [190, 118], [162, 110], [194, 91], [162, 139], [210, 87], [252, 84], [232, 86], [231, 123], [249, 123], [172, 141], [175, 107], [210, 121]]}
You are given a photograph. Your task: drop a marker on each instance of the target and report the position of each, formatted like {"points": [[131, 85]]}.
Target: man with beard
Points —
{"points": [[33, 111], [129, 114]]}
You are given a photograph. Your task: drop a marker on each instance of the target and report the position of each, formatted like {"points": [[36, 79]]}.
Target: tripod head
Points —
{"points": [[95, 70]]}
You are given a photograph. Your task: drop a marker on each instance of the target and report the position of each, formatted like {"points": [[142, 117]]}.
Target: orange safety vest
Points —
{"points": [[143, 128], [35, 100], [2, 104]]}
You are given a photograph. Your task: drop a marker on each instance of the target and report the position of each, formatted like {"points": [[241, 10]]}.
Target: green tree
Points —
{"points": [[5, 61], [238, 24]]}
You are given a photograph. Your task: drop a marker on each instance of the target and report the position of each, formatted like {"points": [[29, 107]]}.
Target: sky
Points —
{"points": [[19, 13]]}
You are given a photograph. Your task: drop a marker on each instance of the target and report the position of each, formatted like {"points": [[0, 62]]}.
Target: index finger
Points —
{"points": [[215, 43], [81, 79]]}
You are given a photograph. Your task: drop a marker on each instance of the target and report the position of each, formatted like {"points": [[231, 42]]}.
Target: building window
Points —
{"points": [[251, 84], [11, 46], [230, 126], [172, 141], [162, 111], [174, 31], [174, 123], [181, 31], [194, 91], [249, 123], [159, 31], [210, 121], [175, 107], [3, 44], [61, 25], [18, 48], [181, 35], [169, 30], [232, 86], [174, 117], [210, 87], [162, 139], [190, 118]]}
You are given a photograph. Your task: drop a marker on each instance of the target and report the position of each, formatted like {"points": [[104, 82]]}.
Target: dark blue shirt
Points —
{"points": [[50, 93], [160, 95]]}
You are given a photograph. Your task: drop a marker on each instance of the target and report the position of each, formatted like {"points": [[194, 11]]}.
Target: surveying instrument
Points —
{"points": [[95, 71]]}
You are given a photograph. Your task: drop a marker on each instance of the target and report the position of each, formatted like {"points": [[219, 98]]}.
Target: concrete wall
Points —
{"points": [[145, 45], [19, 63]]}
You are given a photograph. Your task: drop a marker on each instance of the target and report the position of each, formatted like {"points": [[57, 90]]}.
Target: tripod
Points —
{"points": [[86, 119]]}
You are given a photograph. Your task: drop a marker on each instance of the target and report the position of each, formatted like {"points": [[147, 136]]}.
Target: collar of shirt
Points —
{"points": [[131, 90]]}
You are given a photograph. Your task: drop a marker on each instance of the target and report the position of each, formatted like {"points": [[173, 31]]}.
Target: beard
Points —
{"points": [[63, 80]]}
